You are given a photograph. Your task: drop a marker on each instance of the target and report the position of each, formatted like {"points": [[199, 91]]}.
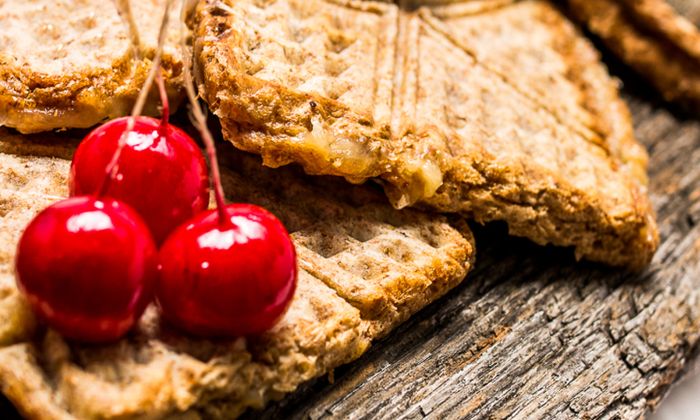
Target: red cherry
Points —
{"points": [[227, 278], [87, 267], [162, 173]]}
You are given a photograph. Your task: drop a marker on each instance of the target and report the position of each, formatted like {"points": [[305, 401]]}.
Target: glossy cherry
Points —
{"points": [[227, 278], [87, 267], [161, 171]]}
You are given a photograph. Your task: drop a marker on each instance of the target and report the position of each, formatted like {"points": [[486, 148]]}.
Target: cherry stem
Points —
{"points": [[165, 104], [113, 165], [200, 122]]}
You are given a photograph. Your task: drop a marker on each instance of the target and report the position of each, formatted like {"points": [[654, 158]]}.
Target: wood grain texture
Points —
{"points": [[534, 334]]}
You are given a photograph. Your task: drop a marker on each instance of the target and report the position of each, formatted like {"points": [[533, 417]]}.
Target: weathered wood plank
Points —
{"points": [[533, 334]]}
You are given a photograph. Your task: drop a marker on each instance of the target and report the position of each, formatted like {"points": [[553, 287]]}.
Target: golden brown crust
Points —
{"points": [[364, 268], [298, 113], [79, 67], [649, 36], [559, 71], [495, 109]]}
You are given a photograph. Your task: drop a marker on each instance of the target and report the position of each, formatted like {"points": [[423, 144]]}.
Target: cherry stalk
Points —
{"points": [[164, 102], [200, 122], [159, 170], [113, 167]]}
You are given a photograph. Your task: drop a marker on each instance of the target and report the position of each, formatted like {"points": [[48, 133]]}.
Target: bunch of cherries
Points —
{"points": [[137, 227]]}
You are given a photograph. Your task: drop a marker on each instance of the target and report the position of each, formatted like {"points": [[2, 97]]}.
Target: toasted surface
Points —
{"points": [[364, 268], [498, 110], [652, 38], [73, 63]]}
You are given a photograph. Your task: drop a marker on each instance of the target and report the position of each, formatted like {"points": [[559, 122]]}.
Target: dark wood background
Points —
{"points": [[533, 334]]}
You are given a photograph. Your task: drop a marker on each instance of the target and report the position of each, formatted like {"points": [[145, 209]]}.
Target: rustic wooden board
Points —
{"points": [[532, 333]]}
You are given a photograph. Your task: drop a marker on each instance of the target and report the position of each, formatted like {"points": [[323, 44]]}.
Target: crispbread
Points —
{"points": [[73, 63], [364, 268], [651, 37], [498, 110]]}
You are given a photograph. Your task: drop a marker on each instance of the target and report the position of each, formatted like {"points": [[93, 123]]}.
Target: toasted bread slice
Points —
{"points": [[75, 63], [364, 268], [653, 39], [498, 110]]}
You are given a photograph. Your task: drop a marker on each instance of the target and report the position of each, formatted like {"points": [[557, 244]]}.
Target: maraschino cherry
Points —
{"points": [[228, 272], [161, 172], [87, 267], [228, 278]]}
